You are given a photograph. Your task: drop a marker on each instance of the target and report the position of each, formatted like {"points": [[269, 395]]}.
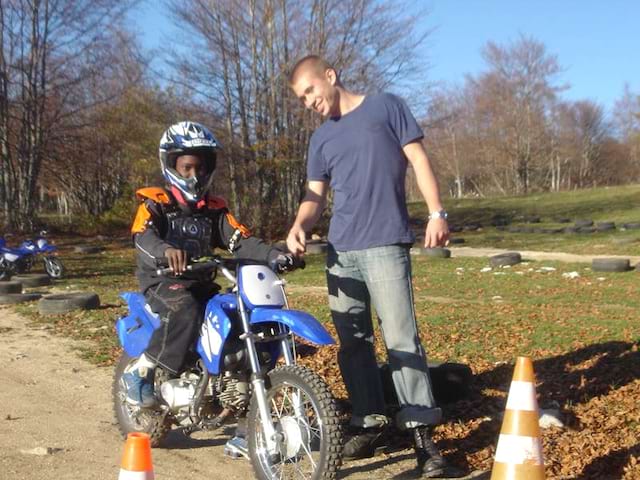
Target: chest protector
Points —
{"points": [[189, 232]]}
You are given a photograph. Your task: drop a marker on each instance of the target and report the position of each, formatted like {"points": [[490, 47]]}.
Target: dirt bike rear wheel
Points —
{"points": [[136, 419], [5, 270], [305, 416]]}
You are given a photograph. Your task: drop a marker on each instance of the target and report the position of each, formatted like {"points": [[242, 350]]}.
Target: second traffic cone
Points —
{"points": [[519, 452], [136, 459]]}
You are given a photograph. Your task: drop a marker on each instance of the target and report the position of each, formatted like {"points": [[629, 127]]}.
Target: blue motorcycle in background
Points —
{"points": [[242, 364], [22, 258]]}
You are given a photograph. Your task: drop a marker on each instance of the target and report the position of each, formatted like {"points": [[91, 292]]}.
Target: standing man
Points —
{"points": [[361, 152]]}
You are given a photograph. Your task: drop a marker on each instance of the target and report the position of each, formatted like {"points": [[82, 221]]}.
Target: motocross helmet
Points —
{"points": [[188, 138]]}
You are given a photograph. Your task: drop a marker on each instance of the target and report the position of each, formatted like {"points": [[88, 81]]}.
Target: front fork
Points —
{"points": [[273, 439]]}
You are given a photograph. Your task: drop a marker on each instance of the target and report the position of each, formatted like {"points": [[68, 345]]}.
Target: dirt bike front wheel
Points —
{"points": [[54, 267], [305, 417]]}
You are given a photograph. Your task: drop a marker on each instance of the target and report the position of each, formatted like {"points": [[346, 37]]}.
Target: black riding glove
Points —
{"points": [[283, 262]]}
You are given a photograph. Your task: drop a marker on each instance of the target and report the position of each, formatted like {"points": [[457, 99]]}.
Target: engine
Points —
{"points": [[234, 393], [229, 391], [178, 393]]}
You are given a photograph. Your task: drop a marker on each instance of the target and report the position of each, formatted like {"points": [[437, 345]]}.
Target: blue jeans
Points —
{"points": [[379, 277]]}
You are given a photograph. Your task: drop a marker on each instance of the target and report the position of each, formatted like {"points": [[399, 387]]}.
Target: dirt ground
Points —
{"points": [[534, 255], [56, 421]]}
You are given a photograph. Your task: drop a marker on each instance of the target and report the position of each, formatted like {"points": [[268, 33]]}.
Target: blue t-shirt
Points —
{"points": [[360, 155]]}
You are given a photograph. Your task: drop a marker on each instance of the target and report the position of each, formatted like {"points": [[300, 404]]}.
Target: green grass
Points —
{"points": [[617, 204], [464, 313]]}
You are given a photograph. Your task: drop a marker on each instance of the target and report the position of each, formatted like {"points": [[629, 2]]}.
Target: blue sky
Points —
{"points": [[596, 41]]}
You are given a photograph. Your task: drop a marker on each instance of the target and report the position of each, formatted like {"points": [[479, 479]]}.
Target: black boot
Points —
{"points": [[430, 462], [364, 443]]}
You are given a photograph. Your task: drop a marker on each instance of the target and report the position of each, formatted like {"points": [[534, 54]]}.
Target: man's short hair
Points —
{"points": [[312, 62]]}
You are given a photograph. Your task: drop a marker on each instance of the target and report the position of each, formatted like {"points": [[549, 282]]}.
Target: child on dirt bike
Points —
{"points": [[175, 224]]}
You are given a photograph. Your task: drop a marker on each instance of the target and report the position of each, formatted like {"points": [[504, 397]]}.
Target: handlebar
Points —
{"points": [[225, 265], [203, 266]]}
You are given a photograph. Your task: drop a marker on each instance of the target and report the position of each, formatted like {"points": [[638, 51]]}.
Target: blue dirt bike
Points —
{"points": [[21, 259], [242, 364]]}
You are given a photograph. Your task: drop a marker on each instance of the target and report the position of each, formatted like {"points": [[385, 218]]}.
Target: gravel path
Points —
{"points": [[56, 421], [533, 255]]}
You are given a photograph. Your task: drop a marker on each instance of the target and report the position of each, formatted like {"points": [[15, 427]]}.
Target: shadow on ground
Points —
{"points": [[573, 378]]}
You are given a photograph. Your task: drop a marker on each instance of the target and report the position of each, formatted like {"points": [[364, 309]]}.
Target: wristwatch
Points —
{"points": [[438, 214]]}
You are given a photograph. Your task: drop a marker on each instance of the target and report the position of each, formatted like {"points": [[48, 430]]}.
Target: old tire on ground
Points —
{"points": [[33, 279], [11, 287], [88, 249], [605, 226], [319, 248], [13, 298], [505, 259], [471, 227], [500, 220], [583, 223], [450, 382], [67, 302], [631, 226], [610, 265], [437, 252]]}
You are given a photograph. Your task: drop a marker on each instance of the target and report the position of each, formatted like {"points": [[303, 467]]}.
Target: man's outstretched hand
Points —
{"points": [[437, 233], [297, 241]]}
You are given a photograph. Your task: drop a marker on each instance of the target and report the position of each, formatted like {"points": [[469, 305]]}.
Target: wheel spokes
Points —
{"points": [[297, 419]]}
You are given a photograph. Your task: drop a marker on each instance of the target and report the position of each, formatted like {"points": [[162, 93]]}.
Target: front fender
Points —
{"points": [[301, 323]]}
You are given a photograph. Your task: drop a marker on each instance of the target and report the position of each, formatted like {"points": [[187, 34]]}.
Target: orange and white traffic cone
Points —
{"points": [[519, 452], [136, 459]]}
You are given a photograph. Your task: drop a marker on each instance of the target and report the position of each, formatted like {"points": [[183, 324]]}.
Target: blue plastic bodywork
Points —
{"points": [[215, 330], [28, 247], [301, 323], [135, 329]]}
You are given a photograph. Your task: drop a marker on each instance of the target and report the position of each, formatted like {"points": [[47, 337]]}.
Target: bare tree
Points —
{"points": [[244, 51], [626, 121], [591, 129], [449, 140], [514, 99], [51, 50]]}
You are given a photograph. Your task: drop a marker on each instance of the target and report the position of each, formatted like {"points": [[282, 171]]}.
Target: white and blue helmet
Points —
{"points": [[188, 138]]}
